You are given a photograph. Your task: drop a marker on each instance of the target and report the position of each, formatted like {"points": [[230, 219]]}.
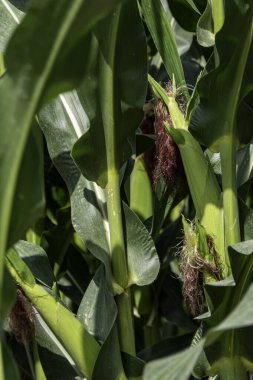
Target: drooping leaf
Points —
{"points": [[244, 164], [205, 33], [133, 366], [98, 301], [143, 262], [109, 363], [37, 261], [178, 366], [120, 115], [62, 122]]}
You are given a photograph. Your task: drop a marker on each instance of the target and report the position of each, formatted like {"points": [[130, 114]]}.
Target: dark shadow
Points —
{"points": [[91, 197], [22, 5], [68, 170]]}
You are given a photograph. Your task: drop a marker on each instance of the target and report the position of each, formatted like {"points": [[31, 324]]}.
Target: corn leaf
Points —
{"points": [[127, 50], [159, 25], [10, 17], [219, 90], [63, 121], [143, 262], [98, 300]]}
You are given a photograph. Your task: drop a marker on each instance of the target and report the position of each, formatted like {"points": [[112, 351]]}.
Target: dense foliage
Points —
{"points": [[126, 220]]}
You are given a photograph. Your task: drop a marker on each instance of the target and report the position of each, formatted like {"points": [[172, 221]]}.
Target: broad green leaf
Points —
{"points": [[37, 261], [244, 164], [10, 17], [133, 366], [143, 262], [124, 56], [205, 33], [20, 267], [24, 84], [159, 25], [246, 218], [214, 119], [174, 367], [62, 122], [109, 363], [28, 205], [98, 301]]}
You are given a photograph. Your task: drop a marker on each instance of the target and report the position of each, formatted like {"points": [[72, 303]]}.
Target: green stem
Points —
{"points": [[230, 204], [117, 243], [125, 322], [119, 263]]}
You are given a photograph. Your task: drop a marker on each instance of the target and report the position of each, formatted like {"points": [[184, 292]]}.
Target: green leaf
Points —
{"points": [[28, 205], [133, 366], [143, 262], [10, 17], [159, 25], [214, 118], [126, 48], [178, 366], [37, 261], [205, 33], [97, 301], [109, 363], [21, 268], [24, 84], [244, 164], [62, 122]]}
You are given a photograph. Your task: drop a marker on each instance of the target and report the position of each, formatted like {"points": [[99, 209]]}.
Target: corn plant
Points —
{"points": [[126, 198]]}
